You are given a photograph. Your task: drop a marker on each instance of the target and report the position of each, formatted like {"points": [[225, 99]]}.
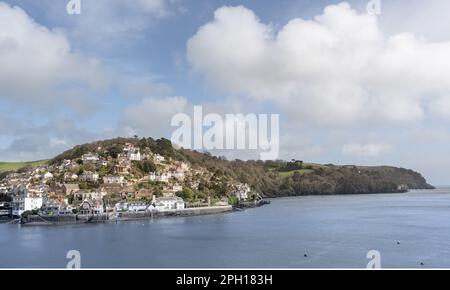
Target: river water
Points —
{"points": [[408, 230]]}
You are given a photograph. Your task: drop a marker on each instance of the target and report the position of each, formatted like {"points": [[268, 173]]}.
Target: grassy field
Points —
{"points": [[12, 166], [301, 171], [311, 168]]}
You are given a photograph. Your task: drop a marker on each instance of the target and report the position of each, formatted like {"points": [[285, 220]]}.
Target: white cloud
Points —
{"points": [[441, 107], [36, 63], [34, 142], [152, 116], [337, 69], [366, 150], [425, 18]]}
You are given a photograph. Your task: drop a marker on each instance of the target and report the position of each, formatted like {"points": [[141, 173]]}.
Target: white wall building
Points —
{"points": [[90, 157], [48, 176], [134, 155], [18, 205], [137, 206], [164, 177], [132, 206], [113, 179], [242, 191], [89, 176], [169, 203], [158, 158], [32, 203]]}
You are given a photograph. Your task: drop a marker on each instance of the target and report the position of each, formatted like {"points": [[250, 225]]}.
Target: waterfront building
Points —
{"points": [[242, 191], [137, 206], [18, 205], [5, 209], [21, 204], [32, 203], [169, 203], [91, 207]]}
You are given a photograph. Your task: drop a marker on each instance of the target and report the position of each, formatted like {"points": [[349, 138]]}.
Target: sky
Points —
{"points": [[350, 87]]}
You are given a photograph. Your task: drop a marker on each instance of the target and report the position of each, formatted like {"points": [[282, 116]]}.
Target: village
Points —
{"points": [[131, 180]]}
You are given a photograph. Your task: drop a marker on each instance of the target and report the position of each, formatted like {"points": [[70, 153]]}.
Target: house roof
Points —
{"points": [[176, 198], [71, 186]]}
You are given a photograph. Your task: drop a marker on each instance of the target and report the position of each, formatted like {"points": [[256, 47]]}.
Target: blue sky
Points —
{"points": [[349, 87]]}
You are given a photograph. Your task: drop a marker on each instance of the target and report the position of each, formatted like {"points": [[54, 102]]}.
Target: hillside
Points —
{"points": [[270, 178], [13, 166]]}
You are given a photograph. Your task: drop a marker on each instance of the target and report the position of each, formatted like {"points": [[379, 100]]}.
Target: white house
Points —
{"points": [[134, 155], [48, 176], [113, 179], [94, 196], [91, 207], [89, 176], [137, 206], [32, 203], [169, 203], [164, 177], [90, 157], [121, 206], [133, 206], [128, 147], [70, 176], [242, 191], [158, 158]]}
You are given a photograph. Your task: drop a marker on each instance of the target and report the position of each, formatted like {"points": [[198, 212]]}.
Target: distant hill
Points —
{"points": [[269, 178], [13, 166]]}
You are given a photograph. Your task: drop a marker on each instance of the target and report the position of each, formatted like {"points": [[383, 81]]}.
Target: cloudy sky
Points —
{"points": [[350, 88]]}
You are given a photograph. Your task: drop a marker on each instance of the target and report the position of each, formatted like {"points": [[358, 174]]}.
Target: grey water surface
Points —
{"points": [[332, 231]]}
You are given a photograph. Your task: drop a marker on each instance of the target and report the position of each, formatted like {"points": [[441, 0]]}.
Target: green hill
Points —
{"points": [[13, 166], [270, 178]]}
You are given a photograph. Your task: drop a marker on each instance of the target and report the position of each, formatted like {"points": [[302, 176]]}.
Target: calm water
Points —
{"points": [[334, 231]]}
